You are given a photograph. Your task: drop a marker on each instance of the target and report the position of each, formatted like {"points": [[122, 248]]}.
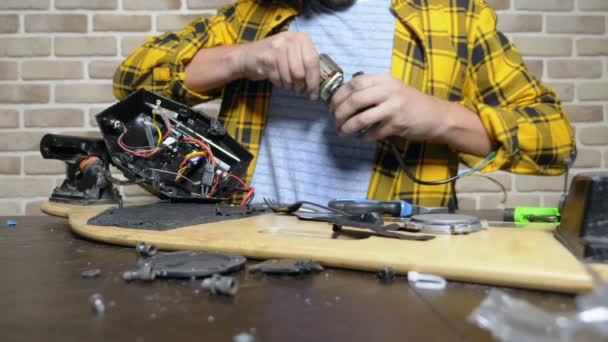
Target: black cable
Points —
{"points": [[407, 172]]}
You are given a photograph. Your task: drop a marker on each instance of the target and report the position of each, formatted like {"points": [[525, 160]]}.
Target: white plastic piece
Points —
{"points": [[426, 281]]}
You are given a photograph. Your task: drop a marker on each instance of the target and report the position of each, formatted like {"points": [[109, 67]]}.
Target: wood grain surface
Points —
{"points": [[524, 258]]}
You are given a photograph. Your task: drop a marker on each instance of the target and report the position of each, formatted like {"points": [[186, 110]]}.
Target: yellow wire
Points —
{"points": [[160, 135]]}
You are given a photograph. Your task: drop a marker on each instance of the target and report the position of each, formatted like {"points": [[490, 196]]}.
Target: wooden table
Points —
{"points": [[43, 296]]}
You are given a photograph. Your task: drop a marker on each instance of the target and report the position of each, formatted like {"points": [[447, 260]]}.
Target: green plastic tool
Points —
{"points": [[524, 214]]}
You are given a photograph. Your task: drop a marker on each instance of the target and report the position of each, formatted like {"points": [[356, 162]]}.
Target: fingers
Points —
{"points": [[358, 100], [296, 70], [360, 121], [310, 60]]}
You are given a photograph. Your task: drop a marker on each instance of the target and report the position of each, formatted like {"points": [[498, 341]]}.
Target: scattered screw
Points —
{"points": [[94, 273], [145, 250], [223, 285], [144, 272], [96, 302], [386, 274], [244, 337]]}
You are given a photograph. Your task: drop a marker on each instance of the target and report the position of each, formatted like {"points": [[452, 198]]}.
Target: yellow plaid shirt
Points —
{"points": [[449, 49]]}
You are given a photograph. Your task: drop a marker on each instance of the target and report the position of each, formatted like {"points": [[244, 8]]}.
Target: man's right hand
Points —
{"points": [[288, 60]]}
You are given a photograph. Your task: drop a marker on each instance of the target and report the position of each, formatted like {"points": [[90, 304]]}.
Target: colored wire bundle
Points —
{"points": [[146, 152], [464, 173]]}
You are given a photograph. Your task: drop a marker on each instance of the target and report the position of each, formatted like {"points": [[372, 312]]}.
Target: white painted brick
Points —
{"points": [[207, 4], [23, 4], [544, 5], [56, 23], [24, 93], [593, 91], [54, 117], [129, 44], [585, 113], [36, 165], [593, 5], [10, 165], [565, 90], [480, 184], [526, 183], [126, 23], [12, 187], [85, 46], [513, 200], [10, 208], [51, 70], [151, 4], [32, 208], [8, 71], [520, 22], [9, 118], [9, 23], [573, 68], [103, 69], [175, 22], [84, 93], [20, 141], [86, 4], [576, 24], [597, 135], [592, 47], [588, 159], [25, 46], [543, 46]]}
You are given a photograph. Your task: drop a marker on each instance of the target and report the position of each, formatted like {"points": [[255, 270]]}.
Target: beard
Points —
{"points": [[319, 6]]}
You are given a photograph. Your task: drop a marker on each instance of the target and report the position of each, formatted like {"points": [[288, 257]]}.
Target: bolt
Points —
{"points": [[144, 272], [96, 302], [145, 250], [217, 284]]}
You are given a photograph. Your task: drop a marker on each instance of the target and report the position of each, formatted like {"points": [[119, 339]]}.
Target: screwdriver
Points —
{"points": [[395, 208]]}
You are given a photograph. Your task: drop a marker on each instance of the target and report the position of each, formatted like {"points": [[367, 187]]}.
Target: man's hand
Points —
{"points": [[288, 60], [397, 109]]}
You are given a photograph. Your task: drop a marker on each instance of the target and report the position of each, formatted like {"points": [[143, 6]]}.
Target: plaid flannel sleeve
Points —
{"points": [[158, 64], [529, 128]]}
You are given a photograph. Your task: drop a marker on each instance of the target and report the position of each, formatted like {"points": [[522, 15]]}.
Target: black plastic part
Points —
{"points": [[167, 216], [509, 215], [193, 264], [159, 170], [85, 186], [584, 217], [286, 267]]}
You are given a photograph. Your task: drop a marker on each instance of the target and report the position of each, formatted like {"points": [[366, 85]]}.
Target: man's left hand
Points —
{"points": [[391, 106]]}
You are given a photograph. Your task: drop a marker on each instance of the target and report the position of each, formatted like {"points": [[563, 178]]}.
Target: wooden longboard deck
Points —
{"points": [[525, 258]]}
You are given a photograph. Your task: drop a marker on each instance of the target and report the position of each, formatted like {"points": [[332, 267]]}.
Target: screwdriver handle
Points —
{"points": [[396, 208]]}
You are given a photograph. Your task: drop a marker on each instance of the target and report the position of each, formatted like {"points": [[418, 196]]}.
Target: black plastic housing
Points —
{"points": [[584, 217], [157, 173]]}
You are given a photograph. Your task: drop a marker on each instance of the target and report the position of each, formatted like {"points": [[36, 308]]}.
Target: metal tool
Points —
{"points": [[332, 77], [396, 208], [445, 223]]}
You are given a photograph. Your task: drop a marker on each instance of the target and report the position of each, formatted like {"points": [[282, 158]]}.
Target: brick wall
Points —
{"points": [[57, 58]]}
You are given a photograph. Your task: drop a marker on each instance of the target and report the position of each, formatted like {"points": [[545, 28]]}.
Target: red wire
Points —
{"points": [[248, 196], [203, 145], [142, 153]]}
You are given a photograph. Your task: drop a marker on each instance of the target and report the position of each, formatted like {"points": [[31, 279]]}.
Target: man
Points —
{"points": [[447, 86]]}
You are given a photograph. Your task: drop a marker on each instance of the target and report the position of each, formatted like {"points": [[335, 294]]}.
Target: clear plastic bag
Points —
{"points": [[511, 319]]}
